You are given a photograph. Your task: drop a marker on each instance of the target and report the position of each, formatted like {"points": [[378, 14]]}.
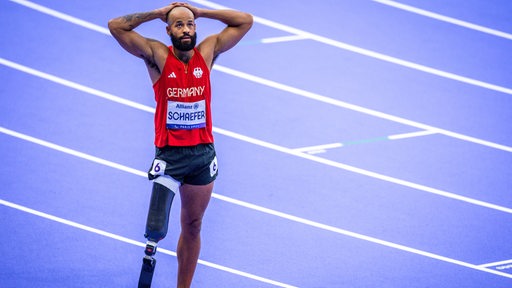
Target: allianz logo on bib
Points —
{"points": [[194, 106]]}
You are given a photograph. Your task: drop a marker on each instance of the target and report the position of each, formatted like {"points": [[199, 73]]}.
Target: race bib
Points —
{"points": [[186, 115]]}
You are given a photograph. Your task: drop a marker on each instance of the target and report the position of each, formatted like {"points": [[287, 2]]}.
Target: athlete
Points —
{"points": [[185, 158]]}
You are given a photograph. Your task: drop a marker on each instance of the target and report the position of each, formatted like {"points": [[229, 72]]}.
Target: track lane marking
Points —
{"points": [[360, 109], [259, 208], [367, 52], [445, 18], [503, 262], [137, 243], [275, 147], [316, 149], [284, 87]]}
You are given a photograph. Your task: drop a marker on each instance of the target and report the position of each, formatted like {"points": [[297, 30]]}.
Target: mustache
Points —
{"points": [[186, 35]]}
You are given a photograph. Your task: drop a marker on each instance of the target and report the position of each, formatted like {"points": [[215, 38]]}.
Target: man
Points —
{"points": [[185, 157]]}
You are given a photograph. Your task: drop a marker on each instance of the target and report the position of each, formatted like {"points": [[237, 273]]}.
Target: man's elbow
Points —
{"points": [[117, 26], [113, 24], [248, 19]]}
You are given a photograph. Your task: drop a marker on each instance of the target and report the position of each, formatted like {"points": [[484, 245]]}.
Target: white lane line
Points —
{"points": [[367, 52], [444, 18], [324, 147], [282, 39], [375, 113], [374, 240], [75, 85], [269, 146], [503, 262], [265, 82], [62, 16], [72, 152], [303, 36], [103, 30], [299, 33], [263, 209], [411, 135], [299, 154], [136, 243], [334, 102], [363, 171]]}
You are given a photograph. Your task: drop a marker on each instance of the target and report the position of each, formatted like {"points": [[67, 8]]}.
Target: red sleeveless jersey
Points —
{"points": [[183, 97]]}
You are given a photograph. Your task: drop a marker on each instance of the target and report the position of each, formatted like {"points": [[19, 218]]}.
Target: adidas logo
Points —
{"points": [[172, 75]]}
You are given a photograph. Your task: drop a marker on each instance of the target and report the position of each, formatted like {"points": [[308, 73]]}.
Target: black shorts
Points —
{"points": [[195, 165]]}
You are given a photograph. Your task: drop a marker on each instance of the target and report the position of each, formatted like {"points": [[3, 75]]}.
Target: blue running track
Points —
{"points": [[361, 143]]}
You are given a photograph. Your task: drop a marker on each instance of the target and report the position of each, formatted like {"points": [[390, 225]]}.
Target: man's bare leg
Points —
{"points": [[194, 200]]}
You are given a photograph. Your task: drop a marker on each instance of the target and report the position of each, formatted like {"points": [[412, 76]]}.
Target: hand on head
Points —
{"points": [[186, 5]]}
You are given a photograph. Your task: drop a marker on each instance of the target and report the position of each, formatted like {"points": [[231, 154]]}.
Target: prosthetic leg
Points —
{"points": [[156, 224]]}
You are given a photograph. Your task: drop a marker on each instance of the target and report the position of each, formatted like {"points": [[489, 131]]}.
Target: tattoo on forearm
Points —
{"points": [[138, 17]]}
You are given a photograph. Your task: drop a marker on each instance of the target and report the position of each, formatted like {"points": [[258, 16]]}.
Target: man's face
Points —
{"points": [[182, 29]]}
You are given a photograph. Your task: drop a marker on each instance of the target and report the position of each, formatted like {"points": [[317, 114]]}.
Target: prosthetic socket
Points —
{"points": [[158, 215]]}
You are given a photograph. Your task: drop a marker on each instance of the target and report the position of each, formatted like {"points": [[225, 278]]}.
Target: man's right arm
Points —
{"points": [[122, 30]]}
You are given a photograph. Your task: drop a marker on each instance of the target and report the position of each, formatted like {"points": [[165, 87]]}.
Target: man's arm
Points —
{"points": [[122, 30], [238, 24]]}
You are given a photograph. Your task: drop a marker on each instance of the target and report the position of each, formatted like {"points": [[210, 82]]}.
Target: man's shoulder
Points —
{"points": [[160, 51], [207, 49], [208, 44]]}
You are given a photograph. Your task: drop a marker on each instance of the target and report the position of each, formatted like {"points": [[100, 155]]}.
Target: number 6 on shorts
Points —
{"points": [[158, 168]]}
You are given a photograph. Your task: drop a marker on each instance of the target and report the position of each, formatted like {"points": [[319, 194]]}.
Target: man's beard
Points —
{"points": [[178, 44]]}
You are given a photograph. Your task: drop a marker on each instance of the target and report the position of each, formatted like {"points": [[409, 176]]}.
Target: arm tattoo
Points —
{"points": [[151, 64], [138, 18]]}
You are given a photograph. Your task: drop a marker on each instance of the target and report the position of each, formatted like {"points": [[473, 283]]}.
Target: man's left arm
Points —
{"points": [[238, 24]]}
